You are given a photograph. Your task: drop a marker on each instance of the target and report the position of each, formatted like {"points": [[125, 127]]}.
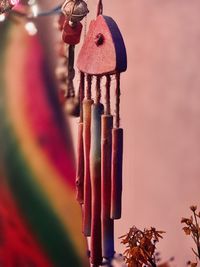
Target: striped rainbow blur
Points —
{"points": [[40, 220]]}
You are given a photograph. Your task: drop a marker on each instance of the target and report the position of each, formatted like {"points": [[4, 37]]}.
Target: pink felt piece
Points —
{"points": [[98, 54]]}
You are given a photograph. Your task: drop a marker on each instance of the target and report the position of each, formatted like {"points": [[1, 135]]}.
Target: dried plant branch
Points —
{"points": [[141, 247], [192, 228]]}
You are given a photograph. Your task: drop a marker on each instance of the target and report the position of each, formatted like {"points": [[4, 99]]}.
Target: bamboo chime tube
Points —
{"points": [[106, 150], [87, 103], [80, 166], [117, 160], [80, 159], [116, 177], [95, 172]]}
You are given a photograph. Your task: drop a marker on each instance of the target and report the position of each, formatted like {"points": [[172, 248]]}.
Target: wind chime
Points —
{"points": [[100, 138]]}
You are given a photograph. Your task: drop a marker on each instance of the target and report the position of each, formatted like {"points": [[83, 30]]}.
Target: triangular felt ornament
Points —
{"points": [[103, 51]]}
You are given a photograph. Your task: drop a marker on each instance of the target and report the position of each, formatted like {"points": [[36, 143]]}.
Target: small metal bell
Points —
{"points": [[75, 10]]}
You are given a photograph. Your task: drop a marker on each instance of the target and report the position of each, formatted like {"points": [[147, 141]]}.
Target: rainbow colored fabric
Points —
{"points": [[40, 221]]}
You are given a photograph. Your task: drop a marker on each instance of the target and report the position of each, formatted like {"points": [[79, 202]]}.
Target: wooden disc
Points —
{"points": [[103, 51]]}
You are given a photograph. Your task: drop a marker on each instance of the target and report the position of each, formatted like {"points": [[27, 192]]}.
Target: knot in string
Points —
{"points": [[100, 8]]}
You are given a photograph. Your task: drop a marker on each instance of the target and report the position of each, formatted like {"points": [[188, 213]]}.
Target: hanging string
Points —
{"points": [[81, 94], [88, 94], [117, 107], [54, 11], [85, 24], [98, 90], [71, 72], [108, 82], [100, 8]]}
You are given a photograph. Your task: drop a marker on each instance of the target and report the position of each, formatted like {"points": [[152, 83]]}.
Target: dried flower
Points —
{"points": [[193, 208], [192, 264], [187, 230], [140, 247], [192, 228], [184, 220]]}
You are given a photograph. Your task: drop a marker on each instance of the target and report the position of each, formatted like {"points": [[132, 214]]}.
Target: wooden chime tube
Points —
{"points": [[80, 167], [107, 222], [116, 173], [80, 159], [87, 103], [117, 159], [95, 172], [106, 150]]}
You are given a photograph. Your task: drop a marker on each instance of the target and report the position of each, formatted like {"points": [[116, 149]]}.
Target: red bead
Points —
{"points": [[71, 35]]}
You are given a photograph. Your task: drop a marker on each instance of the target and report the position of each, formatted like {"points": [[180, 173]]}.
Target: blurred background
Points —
{"points": [[160, 113]]}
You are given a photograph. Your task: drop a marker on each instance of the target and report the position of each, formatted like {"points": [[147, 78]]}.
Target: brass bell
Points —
{"points": [[75, 10]]}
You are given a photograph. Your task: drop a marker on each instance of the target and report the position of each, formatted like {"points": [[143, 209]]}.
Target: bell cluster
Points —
{"points": [[74, 10], [7, 5]]}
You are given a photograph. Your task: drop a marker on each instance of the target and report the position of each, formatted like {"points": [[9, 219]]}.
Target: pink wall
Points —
{"points": [[161, 116]]}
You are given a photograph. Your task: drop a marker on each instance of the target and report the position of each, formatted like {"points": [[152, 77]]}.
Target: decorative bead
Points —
{"points": [[72, 106], [62, 49], [72, 35], [61, 73], [62, 61], [63, 86]]}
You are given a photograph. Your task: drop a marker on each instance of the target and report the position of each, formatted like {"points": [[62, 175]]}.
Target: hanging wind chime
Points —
{"points": [[100, 138]]}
